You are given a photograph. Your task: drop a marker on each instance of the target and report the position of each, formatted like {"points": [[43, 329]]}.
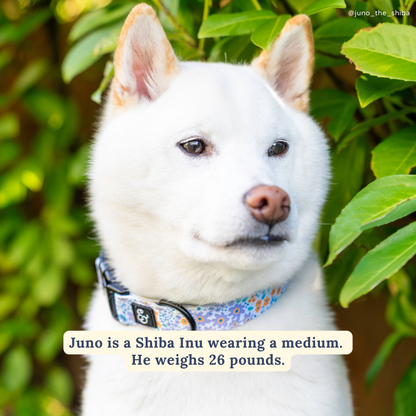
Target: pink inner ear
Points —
{"points": [[285, 77], [142, 69], [140, 75]]}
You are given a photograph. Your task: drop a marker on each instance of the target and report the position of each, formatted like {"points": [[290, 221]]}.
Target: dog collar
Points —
{"points": [[131, 309]]}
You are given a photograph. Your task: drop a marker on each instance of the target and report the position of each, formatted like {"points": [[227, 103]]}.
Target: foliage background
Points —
{"points": [[47, 246]]}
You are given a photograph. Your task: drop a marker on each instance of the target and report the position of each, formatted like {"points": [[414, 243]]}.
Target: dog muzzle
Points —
{"points": [[131, 309]]}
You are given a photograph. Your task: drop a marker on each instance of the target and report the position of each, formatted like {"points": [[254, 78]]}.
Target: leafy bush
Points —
{"points": [[46, 259], [368, 113]]}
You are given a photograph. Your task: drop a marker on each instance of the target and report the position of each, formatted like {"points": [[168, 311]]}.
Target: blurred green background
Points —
{"points": [[53, 55]]}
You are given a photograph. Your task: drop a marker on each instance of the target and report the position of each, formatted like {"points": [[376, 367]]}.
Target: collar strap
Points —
{"points": [[131, 309]]}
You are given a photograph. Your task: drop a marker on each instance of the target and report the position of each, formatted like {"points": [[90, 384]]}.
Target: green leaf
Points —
{"points": [[361, 6], [29, 77], [320, 5], [16, 32], [59, 383], [348, 170], [409, 311], [324, 100], [12, 190], [234, 24], [47, 107], [396, 316], [299, 5], [337, 274], [81, 273], [49, 286], [5, 58], [245, 5], [32, 402], [401, 211], [88, 50], [380, 263], [372, 205], [77, 169], [233, 49], [400, 283], [362, 128], [20, 328], [5, 341], [383, 353], [395, 155], [383, 5], [62, 251], [330, 36], [83, 300], [404, 396], [99, 18], [24, 244], [108, 75], [371, 88], [342, 117], [265, 34], [9, 126], [324, 61], [336, 105], [17, 369], [10, 227], [378, 121], [58, 197], [48, 345], [8, 303], [386, 51], [353, 135]]}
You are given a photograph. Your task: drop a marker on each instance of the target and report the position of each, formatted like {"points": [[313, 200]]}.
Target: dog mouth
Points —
{"points": [[264, 241]]}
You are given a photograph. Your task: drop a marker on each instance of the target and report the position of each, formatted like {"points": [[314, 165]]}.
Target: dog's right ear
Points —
{"points": [[288, 65], [144, 61]]}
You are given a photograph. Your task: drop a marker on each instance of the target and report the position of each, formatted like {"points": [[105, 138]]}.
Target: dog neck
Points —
{"points": [[131, 309]]}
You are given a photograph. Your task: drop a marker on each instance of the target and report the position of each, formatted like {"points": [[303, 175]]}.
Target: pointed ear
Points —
{"points": [[144, 62], [288, 65]]}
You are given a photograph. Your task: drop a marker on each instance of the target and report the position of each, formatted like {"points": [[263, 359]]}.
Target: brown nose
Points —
{"points": [[268, 204]]}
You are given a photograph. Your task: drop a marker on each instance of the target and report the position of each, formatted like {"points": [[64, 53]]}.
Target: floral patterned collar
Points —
{"points": [[131, 309]]}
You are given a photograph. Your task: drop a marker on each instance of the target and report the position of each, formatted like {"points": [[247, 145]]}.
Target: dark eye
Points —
{"points": [[193, 147], [278, 149]]}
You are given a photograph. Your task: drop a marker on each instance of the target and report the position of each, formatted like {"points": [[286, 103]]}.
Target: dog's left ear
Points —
{"points": [[144, 60], [288, 65]]}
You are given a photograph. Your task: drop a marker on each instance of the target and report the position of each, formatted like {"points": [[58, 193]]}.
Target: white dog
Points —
{"points": [[207, 182]]}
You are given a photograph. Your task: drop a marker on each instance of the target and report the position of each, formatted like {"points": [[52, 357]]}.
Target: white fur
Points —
{"points": [[164, 218]]}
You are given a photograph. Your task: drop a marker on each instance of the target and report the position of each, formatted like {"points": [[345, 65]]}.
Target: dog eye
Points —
{"points": [[193, 147], [278, 149]]}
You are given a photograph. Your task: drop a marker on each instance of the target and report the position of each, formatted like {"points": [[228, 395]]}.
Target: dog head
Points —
{"points": [[207, 180]]}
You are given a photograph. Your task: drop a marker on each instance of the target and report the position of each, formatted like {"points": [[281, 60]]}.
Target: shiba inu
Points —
{"points": [[206, 183]]}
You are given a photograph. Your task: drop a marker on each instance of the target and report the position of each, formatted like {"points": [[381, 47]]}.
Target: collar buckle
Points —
{"points": [[107, 281]]}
